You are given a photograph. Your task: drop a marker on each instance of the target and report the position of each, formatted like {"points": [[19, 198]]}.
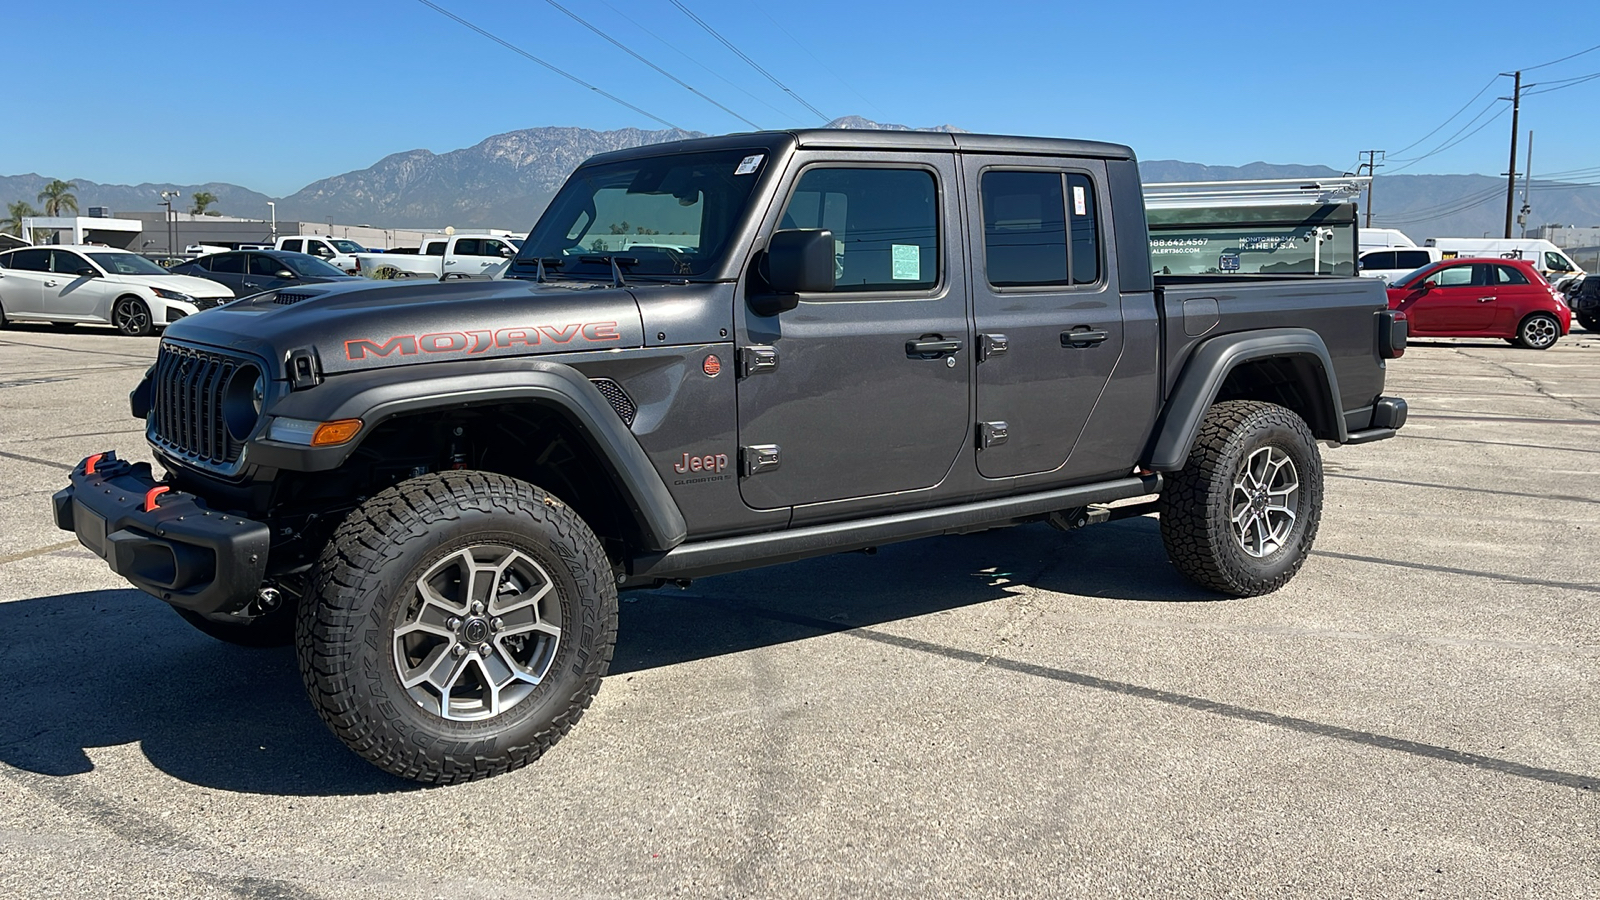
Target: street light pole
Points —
{"points": [[166, 198], [274, 207]]}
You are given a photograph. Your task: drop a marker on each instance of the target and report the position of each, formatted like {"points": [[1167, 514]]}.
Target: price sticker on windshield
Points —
{"points": [[749, 164]]}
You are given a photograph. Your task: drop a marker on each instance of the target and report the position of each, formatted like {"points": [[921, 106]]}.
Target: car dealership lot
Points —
{"points": [[1018, 713]]}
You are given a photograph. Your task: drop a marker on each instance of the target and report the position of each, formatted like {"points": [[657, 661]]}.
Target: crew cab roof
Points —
{"points": [[864, 139]]}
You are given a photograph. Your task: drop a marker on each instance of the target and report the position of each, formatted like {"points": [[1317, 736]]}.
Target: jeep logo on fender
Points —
{"points": [[708, 463], [480, 341]]}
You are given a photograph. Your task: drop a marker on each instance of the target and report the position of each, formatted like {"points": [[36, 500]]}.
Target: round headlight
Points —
{"points": [[242, 401]]}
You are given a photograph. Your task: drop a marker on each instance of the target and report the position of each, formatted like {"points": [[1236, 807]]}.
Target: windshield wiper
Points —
{"points": [[617, 262]]}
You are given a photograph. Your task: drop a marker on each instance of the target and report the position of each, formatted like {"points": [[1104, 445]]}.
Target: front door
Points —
{"points": [[1460, 303], [1049, 320], [74, 295], [261, 274], [862, 390]]}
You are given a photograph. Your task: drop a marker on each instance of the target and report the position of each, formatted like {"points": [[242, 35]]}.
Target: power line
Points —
{"points": [[559, 71], [1563, 84], [1451, 119], [1449, 143], [628, 50], [1562, 59], [825, 66], [675, 49], [752, 63]]}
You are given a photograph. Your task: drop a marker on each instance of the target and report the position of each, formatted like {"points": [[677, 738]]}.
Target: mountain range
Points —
{"points": [[506, 180]]}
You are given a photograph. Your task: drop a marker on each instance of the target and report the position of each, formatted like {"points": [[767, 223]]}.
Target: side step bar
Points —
{"points": [[702, 558]]}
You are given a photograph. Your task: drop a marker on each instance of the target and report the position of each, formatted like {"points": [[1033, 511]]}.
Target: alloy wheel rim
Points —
{"points": [[1541, 332], [479, 633], [131, 318], [1262, 506]]}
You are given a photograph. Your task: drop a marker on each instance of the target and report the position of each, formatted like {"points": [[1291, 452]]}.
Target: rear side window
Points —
{"points": [[1409, 259], [1454, 276], [1381, 260], [1085, 218], [468, 247], [228, 263], [293, 246], [885, 225], [1509, 275], [1024, 228], [30, 261]]}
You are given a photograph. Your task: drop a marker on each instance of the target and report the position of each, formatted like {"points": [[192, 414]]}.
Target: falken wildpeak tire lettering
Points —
{"points": [[364, 582], [1197, 508]]}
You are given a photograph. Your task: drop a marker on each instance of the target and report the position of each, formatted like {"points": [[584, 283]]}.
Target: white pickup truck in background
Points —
{"points": [[337, 252], [458, 255]]}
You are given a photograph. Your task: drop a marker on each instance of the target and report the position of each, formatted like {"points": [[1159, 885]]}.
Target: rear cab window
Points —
{"points": [[1039, 228]]}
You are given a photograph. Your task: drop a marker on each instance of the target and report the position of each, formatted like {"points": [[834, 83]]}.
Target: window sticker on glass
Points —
{"points": [[1080, 205], [749, 164], [907, 259]]}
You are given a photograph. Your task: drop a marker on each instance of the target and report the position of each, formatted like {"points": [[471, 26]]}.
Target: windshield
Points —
{"points": [[307, 266], [665, 216], [348, 246], [126, 264]]}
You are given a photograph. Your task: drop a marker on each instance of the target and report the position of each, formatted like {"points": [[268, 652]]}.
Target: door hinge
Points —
{"points": [[757, 359], [992, 434], [992, 345], [758, 458]]}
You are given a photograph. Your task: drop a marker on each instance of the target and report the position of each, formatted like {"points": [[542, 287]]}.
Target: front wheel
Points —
{"points": [[1242, 514], [132, 317], [1539, 331], [458, 626]]}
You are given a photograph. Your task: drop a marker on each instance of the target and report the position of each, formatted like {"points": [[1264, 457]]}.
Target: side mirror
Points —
{"points": [[506, 253], [801, 262], [283, 273], [1429, 285], [87, 272]]}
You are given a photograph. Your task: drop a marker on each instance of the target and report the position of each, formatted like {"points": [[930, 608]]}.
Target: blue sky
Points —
{"points": [[275, 95]]}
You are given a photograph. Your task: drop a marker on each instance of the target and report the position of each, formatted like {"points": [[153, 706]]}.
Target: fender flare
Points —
{"points": [[1209, 366], [377, 396]]}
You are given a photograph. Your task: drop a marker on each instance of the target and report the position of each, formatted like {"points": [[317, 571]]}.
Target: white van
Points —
{"points": [[1551, 261], [1389, 265], [1383, 238]]}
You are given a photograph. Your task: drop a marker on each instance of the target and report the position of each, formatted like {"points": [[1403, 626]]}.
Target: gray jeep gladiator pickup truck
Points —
{"points": [[713, 355]]}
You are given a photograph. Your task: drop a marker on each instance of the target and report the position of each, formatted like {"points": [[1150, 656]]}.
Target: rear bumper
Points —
{"points": [[164, 542], [1388, 416]]}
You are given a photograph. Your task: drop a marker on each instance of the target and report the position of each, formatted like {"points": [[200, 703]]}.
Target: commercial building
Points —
{"points": [[157, 234]]}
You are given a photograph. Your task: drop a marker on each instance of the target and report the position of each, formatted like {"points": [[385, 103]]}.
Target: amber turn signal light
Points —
{"points": [[331, 433]]}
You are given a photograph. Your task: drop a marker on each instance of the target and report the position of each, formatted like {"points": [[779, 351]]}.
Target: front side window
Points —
{"points": [[308, 266], [1555, 262], [67, 263], [1453, 276], [491, 248], [263, 265], [885, 225]]}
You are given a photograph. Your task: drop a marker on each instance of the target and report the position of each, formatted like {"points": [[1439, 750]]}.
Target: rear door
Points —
{"points": [[862, 390], [227, 269], [22, 288], [1049, 320]]}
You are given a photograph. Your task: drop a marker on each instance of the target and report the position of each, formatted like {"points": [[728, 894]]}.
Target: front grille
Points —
{"points": [[204, 303], [618, 398], [187, 414]]}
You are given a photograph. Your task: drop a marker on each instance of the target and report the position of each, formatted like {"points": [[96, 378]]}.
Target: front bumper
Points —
{"points": [[167, 543]]}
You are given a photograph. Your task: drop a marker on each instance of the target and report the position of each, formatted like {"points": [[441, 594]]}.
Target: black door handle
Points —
{"points": [[1082, 338], [930, 348]]}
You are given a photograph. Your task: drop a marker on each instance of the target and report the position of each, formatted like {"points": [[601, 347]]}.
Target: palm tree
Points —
{"points": [[17, 211], [202, 199], [57, 197]]}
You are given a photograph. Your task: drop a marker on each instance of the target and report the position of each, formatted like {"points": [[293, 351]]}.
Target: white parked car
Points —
{"points": [[337, 252], [1389, 265], [459, 255], [67, 285]]}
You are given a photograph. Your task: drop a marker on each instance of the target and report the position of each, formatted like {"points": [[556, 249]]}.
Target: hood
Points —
{"points": [[187, 284], [370, 325]]}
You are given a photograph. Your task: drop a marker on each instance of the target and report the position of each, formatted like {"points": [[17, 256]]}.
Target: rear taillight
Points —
{"points": [[1392, 327]]}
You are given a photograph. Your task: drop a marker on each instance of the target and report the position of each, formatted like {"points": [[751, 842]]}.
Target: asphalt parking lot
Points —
{"points": [[1019, 713]]}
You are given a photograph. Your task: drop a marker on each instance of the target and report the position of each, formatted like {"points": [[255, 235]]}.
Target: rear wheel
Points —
{"points": [[458, 625], [1242, 514], [1539, 331], [132, 317]]}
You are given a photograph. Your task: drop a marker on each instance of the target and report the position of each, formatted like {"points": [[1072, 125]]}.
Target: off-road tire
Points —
{"points": [[366, 578], [275, 629], [1539, 331], [1197, 503], [132, 317]]}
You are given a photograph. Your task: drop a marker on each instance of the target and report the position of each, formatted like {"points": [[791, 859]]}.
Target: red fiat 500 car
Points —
{"points": [[1503, 298]]}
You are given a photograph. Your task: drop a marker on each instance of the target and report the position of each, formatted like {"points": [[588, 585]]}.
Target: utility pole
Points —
{"points": [[1511, 176], [1527, 182], [1371, 165]]}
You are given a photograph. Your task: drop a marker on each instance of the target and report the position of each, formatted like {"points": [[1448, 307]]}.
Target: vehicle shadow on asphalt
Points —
{"points": [[1120, 561], [107, 668]]}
